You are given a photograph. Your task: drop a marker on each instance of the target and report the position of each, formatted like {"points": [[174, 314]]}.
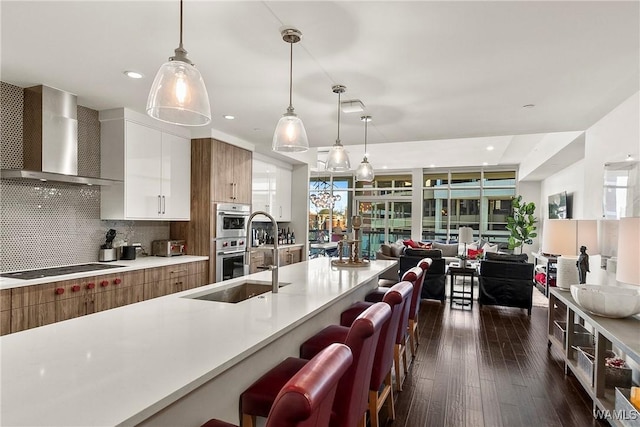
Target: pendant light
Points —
{"points": [[178, 94], [338, 159], [365, 170], [290, 134]]}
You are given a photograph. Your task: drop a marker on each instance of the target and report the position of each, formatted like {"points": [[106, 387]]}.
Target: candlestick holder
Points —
{"points": [[353, 248]]}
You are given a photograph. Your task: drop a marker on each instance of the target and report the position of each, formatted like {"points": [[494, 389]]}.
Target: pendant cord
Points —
{"points": [[366, 123], [339, 93], [290, 75], [180, 23]]}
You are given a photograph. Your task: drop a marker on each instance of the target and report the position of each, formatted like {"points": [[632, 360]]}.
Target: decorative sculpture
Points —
{"points": [[353, 248], [583, 265]]}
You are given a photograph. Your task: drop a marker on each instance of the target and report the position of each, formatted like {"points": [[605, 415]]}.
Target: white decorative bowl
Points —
{"points": [[607, 301]]}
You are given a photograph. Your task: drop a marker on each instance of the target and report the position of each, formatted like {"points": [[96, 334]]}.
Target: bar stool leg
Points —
{"points": [[390, 403], [396, 364], [248, 420], [373, 408]]}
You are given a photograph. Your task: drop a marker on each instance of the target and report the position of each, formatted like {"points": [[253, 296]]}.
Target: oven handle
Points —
{"points": [[231, 253], [233, 213]]}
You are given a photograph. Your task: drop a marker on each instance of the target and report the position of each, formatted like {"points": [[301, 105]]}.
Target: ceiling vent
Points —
{"points": [[352, 106]]}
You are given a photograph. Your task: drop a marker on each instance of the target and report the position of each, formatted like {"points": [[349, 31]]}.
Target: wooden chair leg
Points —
{"points": [[363, 420], [390, 403], [412, 340], [396, 364], [248, 420], [373, 408]]}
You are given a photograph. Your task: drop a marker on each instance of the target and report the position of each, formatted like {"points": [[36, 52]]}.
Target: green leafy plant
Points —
{"points": [[522, 224]]}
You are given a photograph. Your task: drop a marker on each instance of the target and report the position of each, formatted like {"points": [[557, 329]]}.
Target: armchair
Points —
{"points": [[506, 281], [435, 277]]}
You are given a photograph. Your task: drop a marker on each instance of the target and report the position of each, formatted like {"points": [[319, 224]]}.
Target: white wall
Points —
{"points": [[610, 139], [530, 192]]}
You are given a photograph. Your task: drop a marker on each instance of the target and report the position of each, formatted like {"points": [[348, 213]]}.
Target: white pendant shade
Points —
{"points": [[290, 135], [365, 171], [338, 159], [178, 95]]}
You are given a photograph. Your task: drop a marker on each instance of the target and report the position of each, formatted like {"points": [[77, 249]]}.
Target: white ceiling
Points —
{"points": [[425, 70]]}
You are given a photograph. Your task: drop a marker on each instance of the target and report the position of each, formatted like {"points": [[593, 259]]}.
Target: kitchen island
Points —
{"points": [[173, 360]]}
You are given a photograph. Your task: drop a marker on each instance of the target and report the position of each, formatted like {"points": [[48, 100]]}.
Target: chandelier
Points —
{"points": [[322, 196]]}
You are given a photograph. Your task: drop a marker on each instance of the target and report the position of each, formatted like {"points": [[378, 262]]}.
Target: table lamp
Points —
{"points": [[465, 235], [628, 255], [565, 237]]}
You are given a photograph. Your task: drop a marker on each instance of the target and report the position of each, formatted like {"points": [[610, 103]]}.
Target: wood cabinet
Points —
{"points": [[546, 265], [5, 311], [287, 255], [38, 305], [220, 172], [152, 162], [231, 173], [271, 189], [256, 261]]}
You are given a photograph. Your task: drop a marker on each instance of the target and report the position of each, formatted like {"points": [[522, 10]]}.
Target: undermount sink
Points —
{"points": [[238, 293]]}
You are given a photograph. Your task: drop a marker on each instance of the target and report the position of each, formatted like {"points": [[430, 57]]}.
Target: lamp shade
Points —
{"points": [[628, 254], [338, 159], [565, 236], [365, 171], [178, 95], [290, 134], [465, 235]]}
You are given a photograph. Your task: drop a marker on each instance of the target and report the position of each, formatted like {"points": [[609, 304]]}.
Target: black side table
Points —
{"points": [[463, 297]]}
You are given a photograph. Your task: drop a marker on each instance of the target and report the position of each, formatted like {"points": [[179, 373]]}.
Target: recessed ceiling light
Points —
{"points": [[432, 165], [629, 158], [229, 117], [489, 147], [133, 74], [384, 167], [484, 163], [352, 106], [528, 105]]}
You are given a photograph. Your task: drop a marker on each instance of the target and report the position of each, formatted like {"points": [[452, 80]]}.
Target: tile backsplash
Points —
{"points": [[50, 224]]}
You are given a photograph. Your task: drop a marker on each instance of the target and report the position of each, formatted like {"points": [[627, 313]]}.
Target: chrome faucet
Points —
{"points": [[276, 259]]}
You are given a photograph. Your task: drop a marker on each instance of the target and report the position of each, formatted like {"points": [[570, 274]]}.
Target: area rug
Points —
{"points": [[539, 300]]}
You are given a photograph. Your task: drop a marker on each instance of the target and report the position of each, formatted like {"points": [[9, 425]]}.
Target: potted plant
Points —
{"points": [[522, 224]]}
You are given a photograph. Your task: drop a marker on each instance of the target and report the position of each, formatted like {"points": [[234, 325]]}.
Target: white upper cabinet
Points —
{"points": [[153, 161], [271, 190]]}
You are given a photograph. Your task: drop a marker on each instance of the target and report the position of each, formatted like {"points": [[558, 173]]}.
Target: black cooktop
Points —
{"points": [[58, 271]]}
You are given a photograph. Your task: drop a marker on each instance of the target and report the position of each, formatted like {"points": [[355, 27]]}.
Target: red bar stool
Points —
{"points": [[307, 398], [380, 386], [350, 403]]}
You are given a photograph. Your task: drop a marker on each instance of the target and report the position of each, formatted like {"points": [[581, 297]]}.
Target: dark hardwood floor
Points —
{"points": [[488, 367]]}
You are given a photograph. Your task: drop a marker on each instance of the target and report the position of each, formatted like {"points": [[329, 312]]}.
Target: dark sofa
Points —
{"points": [[506, 280], [434, 281]]}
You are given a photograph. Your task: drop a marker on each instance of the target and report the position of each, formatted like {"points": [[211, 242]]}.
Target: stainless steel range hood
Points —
{"points": [[50, 139]]}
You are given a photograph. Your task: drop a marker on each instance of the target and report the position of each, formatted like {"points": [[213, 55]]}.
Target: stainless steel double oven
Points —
{"points": [[231, 239]]}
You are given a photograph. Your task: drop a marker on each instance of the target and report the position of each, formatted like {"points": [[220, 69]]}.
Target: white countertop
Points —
{"points": [[120, 366], [136, 264]]}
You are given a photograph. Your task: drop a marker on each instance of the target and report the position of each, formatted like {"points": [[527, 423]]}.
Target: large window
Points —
{"points": [[477, 199], [329, 207]]}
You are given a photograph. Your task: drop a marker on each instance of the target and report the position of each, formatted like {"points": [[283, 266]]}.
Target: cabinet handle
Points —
{"points": [[117, 281], [280, 211], [75, 288], [59, 291], [91, 285], [159, 207], [164, 204]]}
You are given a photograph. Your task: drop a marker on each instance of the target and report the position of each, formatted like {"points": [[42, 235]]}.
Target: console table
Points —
{"points": [[621, 334]]}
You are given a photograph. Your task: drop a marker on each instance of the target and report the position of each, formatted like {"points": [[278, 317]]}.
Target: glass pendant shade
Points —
{"points": [[290, 135], [338, 160], [178, 95], [365, 171]]}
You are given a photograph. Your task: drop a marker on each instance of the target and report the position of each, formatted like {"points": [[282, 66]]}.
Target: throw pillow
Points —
{"points": [[488, 247], [474, 253], [385, 249], [396, 250], [450, 250], [424, 245], [410, 244]]}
